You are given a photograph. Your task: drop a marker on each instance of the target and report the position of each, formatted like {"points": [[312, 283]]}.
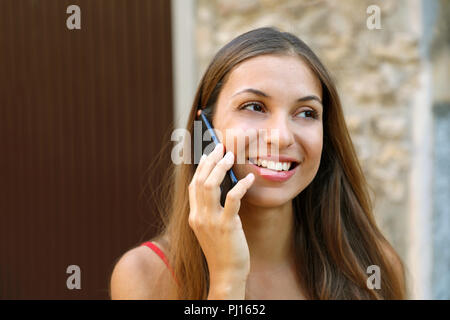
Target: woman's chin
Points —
{"points": [[267, 198]]}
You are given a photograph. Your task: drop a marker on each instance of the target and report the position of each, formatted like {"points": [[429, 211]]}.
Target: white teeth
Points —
{"points": [[264, 163], [278, 166]]}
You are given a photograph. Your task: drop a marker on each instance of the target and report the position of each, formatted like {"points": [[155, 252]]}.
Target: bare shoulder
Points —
{"points": [[141, 274]]}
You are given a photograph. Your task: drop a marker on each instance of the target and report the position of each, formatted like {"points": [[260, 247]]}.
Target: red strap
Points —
{"points": [[158, 251]]}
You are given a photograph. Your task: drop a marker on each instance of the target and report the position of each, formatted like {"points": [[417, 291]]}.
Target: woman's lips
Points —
{"points": [[272, 175]]}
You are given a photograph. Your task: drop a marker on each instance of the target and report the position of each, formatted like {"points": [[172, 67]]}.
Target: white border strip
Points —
{"points": [[420, 184], [183, 57], [421, 240]]}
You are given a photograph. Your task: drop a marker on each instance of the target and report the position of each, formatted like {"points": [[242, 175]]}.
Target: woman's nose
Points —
{"points": [[278, 131]]}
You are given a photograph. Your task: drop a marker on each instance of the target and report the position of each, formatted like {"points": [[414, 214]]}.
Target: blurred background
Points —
{"points": [[85, 112]]}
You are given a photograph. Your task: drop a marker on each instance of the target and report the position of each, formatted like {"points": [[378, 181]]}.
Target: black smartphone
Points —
{"points": [[230, 179]]}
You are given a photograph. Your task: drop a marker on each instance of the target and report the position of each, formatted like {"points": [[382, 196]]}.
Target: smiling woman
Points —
{"points": [[299, 224], [282, 87]]}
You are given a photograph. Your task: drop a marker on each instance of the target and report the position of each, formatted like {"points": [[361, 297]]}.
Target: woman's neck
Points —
{"points": [[269, 233]]}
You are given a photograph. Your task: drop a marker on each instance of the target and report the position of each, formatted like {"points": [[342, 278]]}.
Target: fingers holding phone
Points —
{"points": [[216, 177], [219, 229], [234, 196]]}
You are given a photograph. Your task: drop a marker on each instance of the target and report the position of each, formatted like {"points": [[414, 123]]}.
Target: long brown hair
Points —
{"points": [[336, 236]]}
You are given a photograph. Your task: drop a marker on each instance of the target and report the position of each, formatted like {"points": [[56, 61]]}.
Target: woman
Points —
{"points": [[310, 234]]}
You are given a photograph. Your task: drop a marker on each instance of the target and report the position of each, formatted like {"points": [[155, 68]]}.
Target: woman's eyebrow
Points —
{"points": [[260, 93], [310, 97], [251, 90]]}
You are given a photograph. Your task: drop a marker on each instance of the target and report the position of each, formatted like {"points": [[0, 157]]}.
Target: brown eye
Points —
{"points": [[309, 114], [253, 107]]}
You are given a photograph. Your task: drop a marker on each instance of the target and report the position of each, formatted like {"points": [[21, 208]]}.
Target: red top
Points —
{"points": [[159, 252]]}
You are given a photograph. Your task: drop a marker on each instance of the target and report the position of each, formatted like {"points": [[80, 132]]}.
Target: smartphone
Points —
{"points": [[230, 178]]}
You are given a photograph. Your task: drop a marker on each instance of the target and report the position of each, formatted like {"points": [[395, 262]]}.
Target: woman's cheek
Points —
{"points": [[237, 139], [313, 154], [316, 147]]}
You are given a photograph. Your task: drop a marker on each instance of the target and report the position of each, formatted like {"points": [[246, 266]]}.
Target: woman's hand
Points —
{"points": [[219, 229]]}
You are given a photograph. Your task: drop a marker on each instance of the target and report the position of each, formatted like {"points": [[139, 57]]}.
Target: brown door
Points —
{"points": [[83, 113]]}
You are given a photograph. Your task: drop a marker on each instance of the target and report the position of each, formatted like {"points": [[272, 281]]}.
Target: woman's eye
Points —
{"points": [[256, 107], [310, 114]]}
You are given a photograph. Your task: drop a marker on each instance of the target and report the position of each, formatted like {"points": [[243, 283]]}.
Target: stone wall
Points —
{"points": [[376, 71]]}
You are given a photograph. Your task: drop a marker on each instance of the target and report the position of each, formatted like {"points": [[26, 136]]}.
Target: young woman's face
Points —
{"points": [[280, 116]]}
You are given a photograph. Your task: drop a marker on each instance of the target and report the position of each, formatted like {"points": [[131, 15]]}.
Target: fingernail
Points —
{"points": [[229, 156]]}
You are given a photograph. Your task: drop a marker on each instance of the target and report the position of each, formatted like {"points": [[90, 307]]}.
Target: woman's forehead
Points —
{"points": [[273, 73]]}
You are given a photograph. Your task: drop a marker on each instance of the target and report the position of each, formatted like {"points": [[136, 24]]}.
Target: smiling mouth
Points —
{"points": [[274, 165]]}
